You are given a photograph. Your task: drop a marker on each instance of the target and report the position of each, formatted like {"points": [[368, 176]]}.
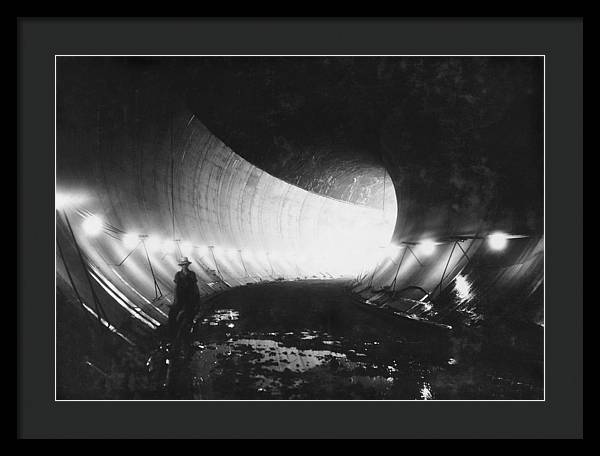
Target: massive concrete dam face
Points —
{"points": [[410, 177]]}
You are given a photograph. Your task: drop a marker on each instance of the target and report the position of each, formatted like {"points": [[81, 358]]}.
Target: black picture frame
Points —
{"points": [[559, 416]]}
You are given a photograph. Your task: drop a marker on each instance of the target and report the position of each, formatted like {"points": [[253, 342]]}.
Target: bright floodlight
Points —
{"points": [[131, 240], [92, 225], [498, 241], [427, 247]]}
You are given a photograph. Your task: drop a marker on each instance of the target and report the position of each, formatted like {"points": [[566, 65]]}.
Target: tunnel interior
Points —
{"points": [[412, 184]]}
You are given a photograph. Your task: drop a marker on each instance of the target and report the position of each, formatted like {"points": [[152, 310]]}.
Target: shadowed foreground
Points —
{"points": [[311, 340]]}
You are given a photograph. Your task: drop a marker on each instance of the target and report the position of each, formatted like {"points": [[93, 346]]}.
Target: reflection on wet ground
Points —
{"points": [[300, 340]]}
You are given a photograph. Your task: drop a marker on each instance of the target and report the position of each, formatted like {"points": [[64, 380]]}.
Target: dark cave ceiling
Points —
{"points": [[449, 130]]}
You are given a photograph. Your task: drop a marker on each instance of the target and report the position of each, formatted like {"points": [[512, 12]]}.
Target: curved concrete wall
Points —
{"points": [[178, 184]]}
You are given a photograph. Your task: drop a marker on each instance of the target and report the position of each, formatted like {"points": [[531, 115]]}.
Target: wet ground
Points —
{"points": [[311, 340]]}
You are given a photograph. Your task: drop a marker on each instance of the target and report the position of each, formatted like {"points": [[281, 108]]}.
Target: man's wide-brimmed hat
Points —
{"points": [[183, 261]]}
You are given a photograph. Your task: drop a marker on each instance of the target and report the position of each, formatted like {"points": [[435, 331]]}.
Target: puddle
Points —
{"points": [[251, 349]]}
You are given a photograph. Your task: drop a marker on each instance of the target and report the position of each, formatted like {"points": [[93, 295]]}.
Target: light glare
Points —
{"points": [[92, 225], [427, 247], [498, 241]]}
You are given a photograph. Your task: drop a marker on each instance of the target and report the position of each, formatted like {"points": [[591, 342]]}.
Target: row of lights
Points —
{"points": [[93, 225], [496, 241]]}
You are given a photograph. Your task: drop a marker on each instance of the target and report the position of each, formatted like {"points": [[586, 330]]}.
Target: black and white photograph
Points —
{"points": [[300, 227]]}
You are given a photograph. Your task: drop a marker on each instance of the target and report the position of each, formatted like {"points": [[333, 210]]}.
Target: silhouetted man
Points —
{"points": [[187, 297]]}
